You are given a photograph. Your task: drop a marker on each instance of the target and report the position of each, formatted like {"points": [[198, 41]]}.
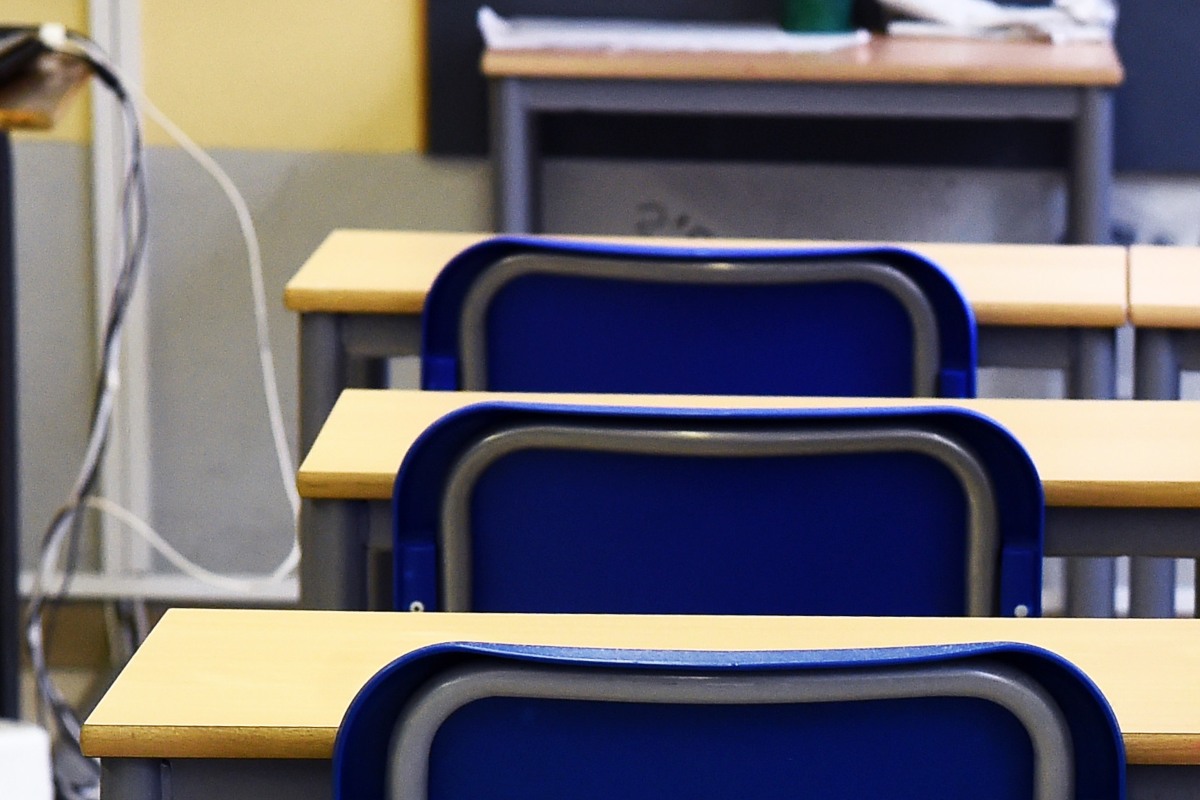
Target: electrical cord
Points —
{"points": [[65, 526]]}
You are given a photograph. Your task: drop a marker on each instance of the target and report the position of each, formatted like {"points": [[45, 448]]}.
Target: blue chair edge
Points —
{"points": [[361, 748]]}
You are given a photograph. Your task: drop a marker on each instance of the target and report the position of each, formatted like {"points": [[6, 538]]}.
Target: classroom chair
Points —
{"points": [[514, 314], [522, 507], [991, 721]]}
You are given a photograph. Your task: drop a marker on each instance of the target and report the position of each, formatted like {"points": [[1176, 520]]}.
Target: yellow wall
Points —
{"points": [[72, 13], [291, 75], [343, 75]]}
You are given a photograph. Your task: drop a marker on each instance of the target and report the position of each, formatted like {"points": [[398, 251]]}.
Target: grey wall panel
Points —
{"points": [[55, 326], [1157, 209], [801, 201], [217, 494]]}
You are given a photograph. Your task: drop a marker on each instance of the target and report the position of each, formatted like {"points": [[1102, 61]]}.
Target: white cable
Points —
{"points": [[266, 357], [254, 256], [283, 455], [139, 527]]}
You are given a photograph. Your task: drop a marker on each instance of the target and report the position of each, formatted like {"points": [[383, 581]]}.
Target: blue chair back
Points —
{"points": [[511, 507], [986, 721], [513, 314]]}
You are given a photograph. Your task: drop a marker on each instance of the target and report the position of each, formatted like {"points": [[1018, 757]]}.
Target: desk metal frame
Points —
{"points": [[340, 351], [516, 102], [1160, 357]]}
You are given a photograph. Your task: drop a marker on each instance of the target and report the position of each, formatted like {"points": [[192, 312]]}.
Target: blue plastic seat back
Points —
{"points": [[579, 529], [578, 319], [939, 747]]}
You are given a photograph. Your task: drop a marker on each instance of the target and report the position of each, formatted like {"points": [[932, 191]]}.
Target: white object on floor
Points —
{"points": [[534, 33], [25, 761]]}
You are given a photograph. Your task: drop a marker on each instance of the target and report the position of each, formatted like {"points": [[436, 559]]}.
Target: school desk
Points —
{"points": [[1120, 478], [889, 77], [360, 295], [238, 704], [31, 100]]}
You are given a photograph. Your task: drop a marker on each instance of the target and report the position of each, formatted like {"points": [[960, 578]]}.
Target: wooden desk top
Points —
{"points": [[1164, 286], [275, 684], [390, 272], [882, 60], [37, 98], [1093, 453]]}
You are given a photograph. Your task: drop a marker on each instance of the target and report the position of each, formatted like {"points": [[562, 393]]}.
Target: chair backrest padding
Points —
{"points": [[512, 507], [540, 315]]}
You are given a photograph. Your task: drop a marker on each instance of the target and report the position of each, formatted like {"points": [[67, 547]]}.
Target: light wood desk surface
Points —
{"points": [[883, 60], [1164, 286], [1096, 453], [390, 272], [275, 684], [37, 98]]}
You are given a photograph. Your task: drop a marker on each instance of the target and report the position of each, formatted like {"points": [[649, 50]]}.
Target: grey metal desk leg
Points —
{"points": [[1088, 213], [333, 566], [1093, 373], [132, 779], [1090, 584], [366, 373], [1090, 581], [1156, 377], [322, 372], [514, 158]]}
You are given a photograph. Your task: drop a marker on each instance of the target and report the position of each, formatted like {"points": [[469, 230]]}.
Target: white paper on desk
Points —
{"points": [[535, 33], [1057, 35], [1065, 21]]}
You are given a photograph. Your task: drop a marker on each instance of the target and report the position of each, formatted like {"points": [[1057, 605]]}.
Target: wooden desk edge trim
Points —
{"points": [[323, 485], [1051, 315], [344, 486], [1151, 315], [206, 741], [151, 741], [599, 65], [310, 300], [1170, 749]]}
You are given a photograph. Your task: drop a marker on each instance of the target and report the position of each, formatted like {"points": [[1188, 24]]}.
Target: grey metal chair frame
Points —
{"points": [[1033, 707], [473, 327], [454, 534]]}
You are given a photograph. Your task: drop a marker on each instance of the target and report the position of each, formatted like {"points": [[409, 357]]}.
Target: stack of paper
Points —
{"points": [[601, 34], [1065, 21]]}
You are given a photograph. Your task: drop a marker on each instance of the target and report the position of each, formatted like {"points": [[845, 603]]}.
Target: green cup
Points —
{"points": [[818, 15]]}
